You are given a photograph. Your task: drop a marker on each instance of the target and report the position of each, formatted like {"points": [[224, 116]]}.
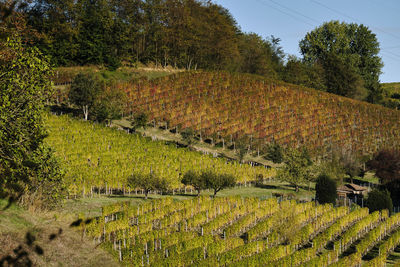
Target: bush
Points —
{"points": [[326, 190], [379, 200], [188, 135], [274, 153], [140, 120]]}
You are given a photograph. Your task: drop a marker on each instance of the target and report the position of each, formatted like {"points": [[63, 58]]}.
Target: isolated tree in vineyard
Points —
{"points": [[85, 89], [217, 182], [352, 165], [379, 200], [147, 182], [325, 190], [109, 105], [195, 180], [296, 170], [188, 135], [274, 153], [140, 121]]}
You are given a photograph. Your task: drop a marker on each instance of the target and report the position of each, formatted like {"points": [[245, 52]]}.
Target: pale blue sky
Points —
{"points": [[290, 20]]}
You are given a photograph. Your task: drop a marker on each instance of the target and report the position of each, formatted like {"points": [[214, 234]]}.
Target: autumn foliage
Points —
{"points": [[237, 106]]}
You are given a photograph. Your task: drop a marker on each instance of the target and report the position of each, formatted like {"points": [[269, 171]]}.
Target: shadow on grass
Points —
{"points": [[21, 255], [267, 186]]}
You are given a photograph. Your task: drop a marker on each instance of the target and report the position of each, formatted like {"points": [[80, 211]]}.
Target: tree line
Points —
{"points": [[337, 57], [186, 34]]}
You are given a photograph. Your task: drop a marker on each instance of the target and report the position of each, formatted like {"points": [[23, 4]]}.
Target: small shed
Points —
{"points": [[352, 192], [349, 190]]}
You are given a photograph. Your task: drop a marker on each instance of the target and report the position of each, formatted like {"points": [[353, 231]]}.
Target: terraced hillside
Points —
{"points": [[227, 107], [237, 231], [99, 157]]}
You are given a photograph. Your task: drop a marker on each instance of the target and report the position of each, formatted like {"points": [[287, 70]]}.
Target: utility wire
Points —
{"points": [[284, 12], [396, 58], [295, 11], [392, 47], [394, 54], [295, 15], [352, 18]]}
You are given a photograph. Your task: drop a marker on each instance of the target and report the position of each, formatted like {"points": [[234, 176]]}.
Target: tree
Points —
{"points": [[147, 182], [258, 56], [330, 167], [242, 147], [27, 166], [296, 170], [353, 45], [386, 164], [194, 179], [217, 182], [379, 200], [109, 105], [85, 89], [352, 165], [188, 135], [304, 73], [140, 120], [46, 186], [341, 78], [274, 153], [58, 33], [325, 190]]}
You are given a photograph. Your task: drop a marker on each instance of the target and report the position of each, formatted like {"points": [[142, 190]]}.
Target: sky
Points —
{"points": [[290, 20]]}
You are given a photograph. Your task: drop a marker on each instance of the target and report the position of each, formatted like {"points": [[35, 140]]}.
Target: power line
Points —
{"points": [[392, 53], [294, 11], [394, 56], [392, 47], [352, 18], [284, 12]]}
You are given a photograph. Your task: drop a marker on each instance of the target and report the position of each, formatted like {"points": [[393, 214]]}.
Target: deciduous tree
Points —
{"points": [[217, 182], [296, 170], [147, 182], [386, 164], [27, 166], [84, 92], [351, 50], [325, 190], [379, 200], [194, 179]]}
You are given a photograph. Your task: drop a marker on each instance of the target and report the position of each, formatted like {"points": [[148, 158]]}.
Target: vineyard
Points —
{"points": [[101, 158], [236, 231], [227, 107]]}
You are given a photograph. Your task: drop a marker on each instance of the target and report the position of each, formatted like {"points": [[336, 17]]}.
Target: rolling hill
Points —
{"points": [[230, 107]]}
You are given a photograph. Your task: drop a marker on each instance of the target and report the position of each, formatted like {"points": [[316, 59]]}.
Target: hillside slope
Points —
{"points": [[97, 157], [220, 105]]}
